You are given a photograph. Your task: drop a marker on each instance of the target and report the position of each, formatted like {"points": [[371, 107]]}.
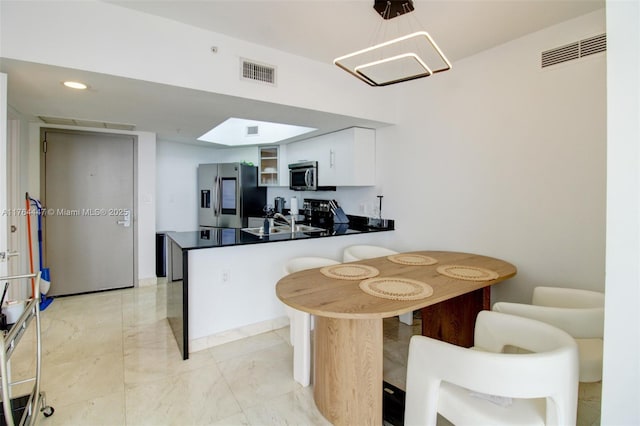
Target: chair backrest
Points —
{"points": [[549, 371], [301, 263], [567, 297], [581, 323], [578, 312], [360, 252]]}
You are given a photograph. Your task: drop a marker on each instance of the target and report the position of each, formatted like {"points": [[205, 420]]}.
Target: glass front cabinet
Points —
{"points": [[268, 160]]}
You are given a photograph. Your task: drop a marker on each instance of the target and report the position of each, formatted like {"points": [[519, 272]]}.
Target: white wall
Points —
{"points": [[177, 184], [502, 158], [18, 130], [4, 248], [146, 206], [177, 180], [621, 375]]}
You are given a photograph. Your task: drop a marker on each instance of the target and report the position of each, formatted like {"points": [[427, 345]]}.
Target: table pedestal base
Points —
{"points": [[453, 320], [347, 384]]}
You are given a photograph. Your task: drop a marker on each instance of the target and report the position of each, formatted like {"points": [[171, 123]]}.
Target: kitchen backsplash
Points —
{"points": [[361, 201]]}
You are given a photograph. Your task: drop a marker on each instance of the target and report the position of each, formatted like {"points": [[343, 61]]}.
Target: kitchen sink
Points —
{"points": [[300, 228], [283, 229]]}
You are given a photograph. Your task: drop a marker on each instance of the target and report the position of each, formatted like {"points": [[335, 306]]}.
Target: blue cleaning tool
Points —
{"points": [[45, 279]]}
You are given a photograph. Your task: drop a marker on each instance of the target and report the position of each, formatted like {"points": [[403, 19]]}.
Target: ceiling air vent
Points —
{"points": [[579, 49], [255, 71], [252, 131]]}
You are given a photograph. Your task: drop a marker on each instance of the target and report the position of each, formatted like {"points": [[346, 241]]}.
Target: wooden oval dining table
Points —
{"points": [[348, 335]]}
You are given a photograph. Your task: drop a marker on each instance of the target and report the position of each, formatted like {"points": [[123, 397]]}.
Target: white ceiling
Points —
{"points": [[317, 29], [325, 29]]}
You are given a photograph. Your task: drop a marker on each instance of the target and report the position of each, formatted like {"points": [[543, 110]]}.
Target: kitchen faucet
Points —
{"points": [[291, 223]]}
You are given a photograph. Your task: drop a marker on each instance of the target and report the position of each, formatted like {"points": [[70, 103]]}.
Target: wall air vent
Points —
{"points": [[86, 123], [254, 71], [252, 131], [592, 45], [561, 54], [579, 49]]}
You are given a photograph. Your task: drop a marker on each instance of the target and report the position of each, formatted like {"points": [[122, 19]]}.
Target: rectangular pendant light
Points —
{"points": [[401, 59]]}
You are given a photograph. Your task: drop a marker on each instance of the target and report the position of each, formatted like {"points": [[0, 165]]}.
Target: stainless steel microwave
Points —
{"points": [[303, 176]]}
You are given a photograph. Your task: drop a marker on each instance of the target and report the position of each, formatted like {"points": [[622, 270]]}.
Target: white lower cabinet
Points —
{"points": [[345, 158]]}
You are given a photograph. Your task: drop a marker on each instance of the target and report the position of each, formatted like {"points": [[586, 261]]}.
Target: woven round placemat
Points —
{"points": [[412, 259], [349, 271], [468, 273], [396, 288]]}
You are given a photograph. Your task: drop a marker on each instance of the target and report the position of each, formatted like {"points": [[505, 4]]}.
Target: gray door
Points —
{"points": [[88, 195]]}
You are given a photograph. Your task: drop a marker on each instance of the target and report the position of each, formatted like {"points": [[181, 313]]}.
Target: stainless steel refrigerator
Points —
{"points": [[229, 194]]}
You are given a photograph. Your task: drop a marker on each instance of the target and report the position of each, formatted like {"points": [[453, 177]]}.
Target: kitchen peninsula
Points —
{"points": [[221, 281]]}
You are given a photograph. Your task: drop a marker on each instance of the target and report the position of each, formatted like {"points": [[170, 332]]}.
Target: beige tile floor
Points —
{"points": [[110, 359]]}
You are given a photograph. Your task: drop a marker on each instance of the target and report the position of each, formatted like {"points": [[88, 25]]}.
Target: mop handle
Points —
{"points": [[33, 283], [39, 207], [4, 293]]}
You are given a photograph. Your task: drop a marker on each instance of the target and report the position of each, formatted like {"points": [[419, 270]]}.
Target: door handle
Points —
{"points": [[5, 255], [126, 219]]}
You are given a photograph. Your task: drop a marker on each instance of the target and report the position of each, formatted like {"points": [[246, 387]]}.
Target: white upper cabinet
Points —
{"points": [[268, 165], [345, 158]]}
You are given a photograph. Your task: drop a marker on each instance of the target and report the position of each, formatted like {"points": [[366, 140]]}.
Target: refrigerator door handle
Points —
{"points": [[219, 201], [216, 191]]}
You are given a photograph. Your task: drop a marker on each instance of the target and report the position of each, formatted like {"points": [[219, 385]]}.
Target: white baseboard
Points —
{"points": [[202, 343], [147, 282]]}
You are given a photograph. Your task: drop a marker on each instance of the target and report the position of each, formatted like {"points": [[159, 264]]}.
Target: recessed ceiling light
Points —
{"points": [[237, 131], [75, 85]]}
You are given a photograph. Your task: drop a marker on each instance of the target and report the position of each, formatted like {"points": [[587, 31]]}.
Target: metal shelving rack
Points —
{"points": [[22, 410]]}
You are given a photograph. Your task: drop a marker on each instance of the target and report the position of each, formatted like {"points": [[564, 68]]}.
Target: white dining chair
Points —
{"points": [[578, 312], [364, 251], [301, 323], [484, 386]]}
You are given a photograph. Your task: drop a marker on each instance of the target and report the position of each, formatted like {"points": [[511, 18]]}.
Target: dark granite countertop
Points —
{"points": [[224, 237]]}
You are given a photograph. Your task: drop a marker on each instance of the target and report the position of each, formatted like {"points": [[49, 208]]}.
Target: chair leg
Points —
{"points": [[302, 348], [292, 323], [406, 318]]}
